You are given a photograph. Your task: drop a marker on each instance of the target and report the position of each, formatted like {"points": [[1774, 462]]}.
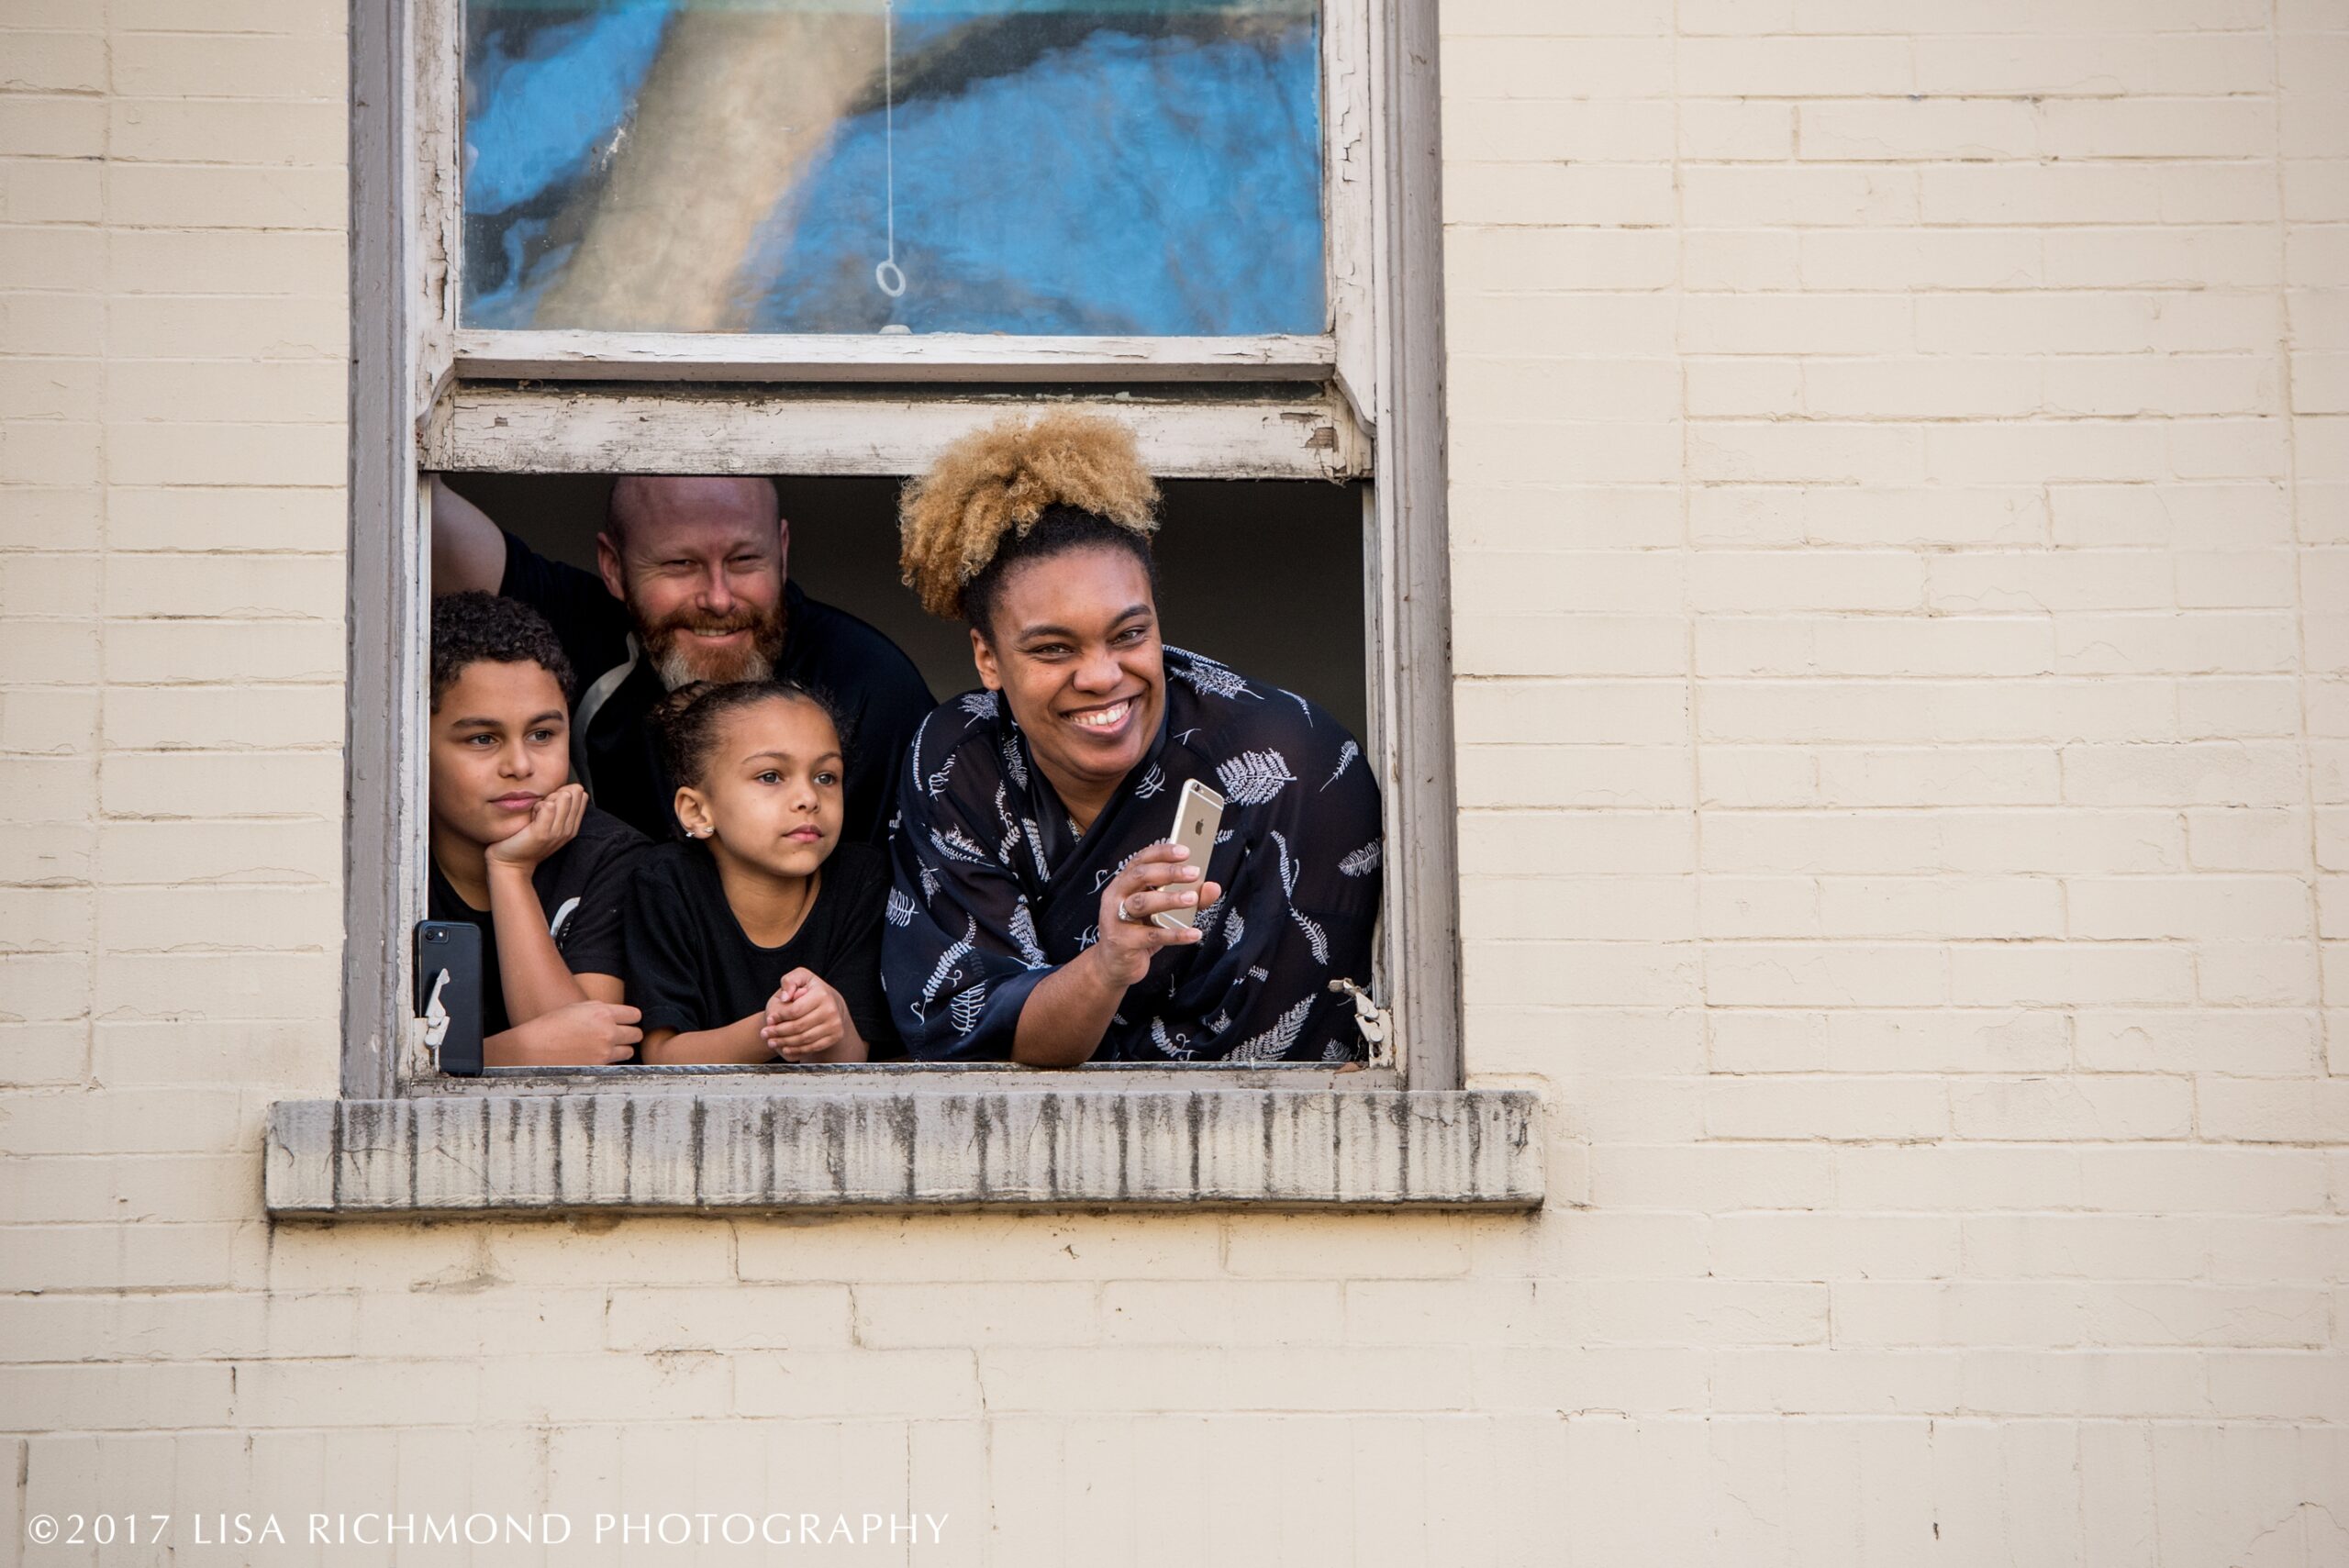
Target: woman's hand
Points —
{"points": [[804, 1018], [1159, 878], [582, 1034], [554, 823]]}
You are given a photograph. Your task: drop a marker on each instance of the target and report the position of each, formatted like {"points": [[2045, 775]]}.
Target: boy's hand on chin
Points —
{"points": [[554, 823], [582, 1034], [804, 1018]]}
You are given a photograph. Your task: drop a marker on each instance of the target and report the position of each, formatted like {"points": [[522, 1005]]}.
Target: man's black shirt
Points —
{"points": [[881, 698], [691, 966], [580, 888]]}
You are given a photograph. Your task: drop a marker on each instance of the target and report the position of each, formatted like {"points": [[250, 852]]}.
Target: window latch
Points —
{"points": [[1369, 1016]]}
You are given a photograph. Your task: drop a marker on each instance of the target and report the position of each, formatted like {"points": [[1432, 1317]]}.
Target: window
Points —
{"points": [[1142, 167], [820, 238]]}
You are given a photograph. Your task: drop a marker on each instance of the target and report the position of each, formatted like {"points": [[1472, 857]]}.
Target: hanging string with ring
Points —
{"points": [[888, 277]]}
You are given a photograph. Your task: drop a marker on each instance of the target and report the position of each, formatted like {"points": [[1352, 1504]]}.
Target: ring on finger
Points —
{"points": [[1127, 916]]}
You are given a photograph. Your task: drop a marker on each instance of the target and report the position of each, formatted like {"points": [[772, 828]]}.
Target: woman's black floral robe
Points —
{"points": [[993, 887]]}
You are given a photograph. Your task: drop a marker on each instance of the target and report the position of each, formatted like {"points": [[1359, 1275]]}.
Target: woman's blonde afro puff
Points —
{"points": [[998, 481]]}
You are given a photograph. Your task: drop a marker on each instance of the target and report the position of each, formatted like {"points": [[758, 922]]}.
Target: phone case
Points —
{"points": [[448, 971]]}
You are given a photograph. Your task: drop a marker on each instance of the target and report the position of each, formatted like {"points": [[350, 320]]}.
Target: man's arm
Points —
{"points": [[468, 550]]}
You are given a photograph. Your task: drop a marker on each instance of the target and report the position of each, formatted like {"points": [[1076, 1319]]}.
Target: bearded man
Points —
{"points": [[691, 585]]}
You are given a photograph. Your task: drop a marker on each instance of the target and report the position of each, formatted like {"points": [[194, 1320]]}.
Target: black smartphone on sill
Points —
{"points": [[448, 973]]}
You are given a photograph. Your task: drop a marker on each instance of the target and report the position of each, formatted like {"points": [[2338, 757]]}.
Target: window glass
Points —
{"points": [[1022, 166]]}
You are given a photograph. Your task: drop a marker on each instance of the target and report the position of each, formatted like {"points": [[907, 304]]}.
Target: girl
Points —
{"points": [[758, 937]]}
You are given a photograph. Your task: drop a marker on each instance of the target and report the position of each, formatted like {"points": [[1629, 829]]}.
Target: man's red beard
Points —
{"points": [[680, 659]]}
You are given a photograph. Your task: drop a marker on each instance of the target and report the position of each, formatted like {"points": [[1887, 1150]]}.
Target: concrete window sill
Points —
{"points": [[1335, 1149]]}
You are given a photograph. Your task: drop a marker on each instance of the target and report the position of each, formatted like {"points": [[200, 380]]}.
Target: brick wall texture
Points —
{"points": [[1900, 464]]}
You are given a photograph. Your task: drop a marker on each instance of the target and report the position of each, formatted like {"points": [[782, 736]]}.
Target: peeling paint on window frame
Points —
{"points": [[1364, 402]]}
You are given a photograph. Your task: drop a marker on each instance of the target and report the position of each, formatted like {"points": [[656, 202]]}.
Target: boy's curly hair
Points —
{"points": [[473, 626], [990, 488]]}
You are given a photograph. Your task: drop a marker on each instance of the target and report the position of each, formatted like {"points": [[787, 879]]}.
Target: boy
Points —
{"points": [[516, 847]]}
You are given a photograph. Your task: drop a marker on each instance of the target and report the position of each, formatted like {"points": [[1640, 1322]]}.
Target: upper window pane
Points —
{"points": [[1046, 166]]}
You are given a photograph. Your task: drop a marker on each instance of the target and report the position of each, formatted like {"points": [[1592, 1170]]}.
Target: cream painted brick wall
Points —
{"points": [[1899, 588], [1901, 517]]}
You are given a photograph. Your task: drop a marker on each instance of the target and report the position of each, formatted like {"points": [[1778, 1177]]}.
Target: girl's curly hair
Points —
{"points": [[990, 488]]}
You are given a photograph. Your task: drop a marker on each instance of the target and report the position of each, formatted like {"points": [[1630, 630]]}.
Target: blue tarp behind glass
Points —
{"points": [[1060, 166]]}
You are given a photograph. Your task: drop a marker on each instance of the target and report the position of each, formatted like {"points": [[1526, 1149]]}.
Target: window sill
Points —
{"points": [[938, 1149]]}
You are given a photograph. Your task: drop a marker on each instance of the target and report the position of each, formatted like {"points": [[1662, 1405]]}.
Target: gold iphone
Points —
{"points": [[1198, 813]]}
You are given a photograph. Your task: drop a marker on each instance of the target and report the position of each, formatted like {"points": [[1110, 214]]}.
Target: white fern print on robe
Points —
{"points": [[1023, 936], [1362, 862], [952, 843], [1346, 755], [1178, 1046], [1035, 838], [937, 783], [1014, 764], [1301, 703], [1235, 929], [1010, 841], [931, 879], [901, 909], [1207, 917], [963, 1011], [1275, 1042], [1254, 777], [1315, 936], [978, 704], [1205, 676], [1288, 866], [1152, 782], [948, 970], [913, 752]]}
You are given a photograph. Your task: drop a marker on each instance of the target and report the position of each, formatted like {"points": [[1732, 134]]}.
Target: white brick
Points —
{"points": [[1888, 1040], [2227, 1040], [1842, 1109], [2090, 1107]]}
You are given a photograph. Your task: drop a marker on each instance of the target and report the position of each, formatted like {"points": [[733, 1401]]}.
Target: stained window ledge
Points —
{"points": [[1337, 1148]]}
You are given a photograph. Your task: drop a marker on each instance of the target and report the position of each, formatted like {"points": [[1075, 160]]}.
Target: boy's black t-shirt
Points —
{"points": [[691, 967], [881, 698], [581, 887]]}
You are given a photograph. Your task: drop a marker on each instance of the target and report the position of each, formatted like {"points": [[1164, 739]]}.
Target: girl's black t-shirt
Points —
{"points": [[580, 886], [691, 967]]}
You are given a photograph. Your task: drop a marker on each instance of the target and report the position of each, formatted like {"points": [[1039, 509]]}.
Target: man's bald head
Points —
{"points": [[646, 502]]}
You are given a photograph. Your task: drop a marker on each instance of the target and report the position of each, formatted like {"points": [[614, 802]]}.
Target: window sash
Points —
{"points": [[495, 428], [1348, 237]]}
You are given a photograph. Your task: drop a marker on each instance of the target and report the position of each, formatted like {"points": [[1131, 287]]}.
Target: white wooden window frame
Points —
{"points": [[1362, 401]]}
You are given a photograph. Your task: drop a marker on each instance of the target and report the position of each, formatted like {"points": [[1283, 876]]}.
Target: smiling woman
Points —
{"points": [[1029, 856]]}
